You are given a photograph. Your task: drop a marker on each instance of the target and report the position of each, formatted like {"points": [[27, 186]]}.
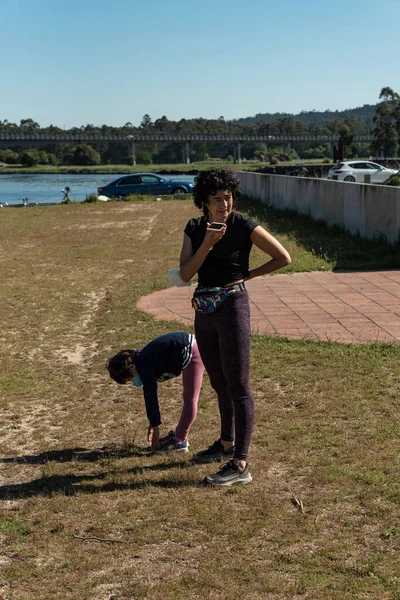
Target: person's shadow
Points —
{"points": [[71, 484], [77, 454]]}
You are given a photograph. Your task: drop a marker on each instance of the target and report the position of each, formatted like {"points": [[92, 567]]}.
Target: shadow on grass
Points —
{"points": [[77, 454], [333, 244], [69, 485]]}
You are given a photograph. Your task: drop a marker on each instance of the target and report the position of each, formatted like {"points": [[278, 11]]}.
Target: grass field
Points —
{"points": [[88, 513]]}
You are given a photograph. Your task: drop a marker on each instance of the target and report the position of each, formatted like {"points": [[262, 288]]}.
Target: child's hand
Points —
{"points": [[155, 440]]}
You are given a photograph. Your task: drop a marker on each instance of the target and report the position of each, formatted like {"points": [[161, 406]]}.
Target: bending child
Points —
{"points": [[163, 358]]}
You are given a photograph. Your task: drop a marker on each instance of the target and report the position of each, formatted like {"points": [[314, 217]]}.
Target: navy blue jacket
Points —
{"points": [[163, 358]]}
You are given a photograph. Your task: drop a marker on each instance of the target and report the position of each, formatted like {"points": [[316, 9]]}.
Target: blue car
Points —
{"points": [[145, 183]]}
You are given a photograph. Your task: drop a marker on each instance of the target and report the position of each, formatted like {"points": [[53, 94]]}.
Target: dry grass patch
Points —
{"points": [[88, 513]]}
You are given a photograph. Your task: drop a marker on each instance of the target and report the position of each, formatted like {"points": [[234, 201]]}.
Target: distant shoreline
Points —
{"points": [[36, 204], [99, 170], [192, 169]]}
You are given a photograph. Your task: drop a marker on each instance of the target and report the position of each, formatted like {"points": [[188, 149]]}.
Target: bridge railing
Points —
{"points": [[161, 137]]}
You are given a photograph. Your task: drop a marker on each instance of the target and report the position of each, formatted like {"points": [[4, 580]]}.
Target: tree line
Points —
{"points": [[381, 120]]}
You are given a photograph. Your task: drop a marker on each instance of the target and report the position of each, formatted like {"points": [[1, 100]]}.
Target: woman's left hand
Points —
{"points": [[270, 245]]}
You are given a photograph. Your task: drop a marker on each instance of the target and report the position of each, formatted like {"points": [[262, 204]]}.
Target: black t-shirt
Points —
{"points": [[229, 259]]}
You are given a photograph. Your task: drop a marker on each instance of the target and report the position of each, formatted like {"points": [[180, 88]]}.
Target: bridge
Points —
{"points": [[13, 139]]}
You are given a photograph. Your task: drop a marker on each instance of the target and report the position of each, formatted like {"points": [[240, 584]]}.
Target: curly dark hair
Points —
{"points": [[121, 366], [210, 182]]}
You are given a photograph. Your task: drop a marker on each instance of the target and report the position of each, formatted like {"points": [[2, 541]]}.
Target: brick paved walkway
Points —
{"points": [[357, 307]]}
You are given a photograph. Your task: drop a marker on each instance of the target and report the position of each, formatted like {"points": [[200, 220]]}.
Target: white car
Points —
{"points": [[356, 169]]}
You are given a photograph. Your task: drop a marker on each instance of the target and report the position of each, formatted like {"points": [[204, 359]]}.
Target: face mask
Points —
{"points": [[136, 381]]}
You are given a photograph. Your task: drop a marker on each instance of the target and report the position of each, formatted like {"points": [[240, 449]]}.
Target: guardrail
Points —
{"points": [[159, 137]]}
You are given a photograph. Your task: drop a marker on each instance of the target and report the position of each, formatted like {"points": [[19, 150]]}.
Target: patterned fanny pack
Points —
{"points": [[207, 300]]}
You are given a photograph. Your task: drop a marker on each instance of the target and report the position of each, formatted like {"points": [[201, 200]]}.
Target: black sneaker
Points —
{"points": [[228, 475], [214, 453]]}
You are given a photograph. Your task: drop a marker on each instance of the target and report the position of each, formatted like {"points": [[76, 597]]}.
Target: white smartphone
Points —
{"points": [[214, 226]]}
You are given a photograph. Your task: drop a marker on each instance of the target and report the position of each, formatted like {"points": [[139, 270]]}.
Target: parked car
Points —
{"points": [[144, 183], [356, 169], [298, 172]]}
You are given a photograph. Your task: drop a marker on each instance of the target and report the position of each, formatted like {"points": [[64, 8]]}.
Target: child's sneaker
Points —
{"points": [[164, 438], [170, 444], [228, 475]]}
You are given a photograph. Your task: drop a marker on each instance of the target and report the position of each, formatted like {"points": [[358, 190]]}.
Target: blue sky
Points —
{"points": [[73, 62]]}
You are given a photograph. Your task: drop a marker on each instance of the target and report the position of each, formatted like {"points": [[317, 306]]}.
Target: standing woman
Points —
{"points": [[222, 317]]}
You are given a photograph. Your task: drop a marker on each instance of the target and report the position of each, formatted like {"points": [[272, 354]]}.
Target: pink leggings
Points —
{"points": [[192, 378]]}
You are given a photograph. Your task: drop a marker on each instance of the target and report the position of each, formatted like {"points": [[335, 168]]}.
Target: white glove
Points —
{"points": [[175, 278]]}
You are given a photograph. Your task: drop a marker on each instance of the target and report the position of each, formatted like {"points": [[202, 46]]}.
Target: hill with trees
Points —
{"points": [[382, 120], [364, 114]]}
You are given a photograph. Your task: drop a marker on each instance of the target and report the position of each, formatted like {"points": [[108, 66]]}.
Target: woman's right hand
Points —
{"points": [[190, 263], [212, 236]]}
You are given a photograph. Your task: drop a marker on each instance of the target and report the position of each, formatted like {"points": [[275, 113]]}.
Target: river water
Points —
{"points": [[46, 189]]}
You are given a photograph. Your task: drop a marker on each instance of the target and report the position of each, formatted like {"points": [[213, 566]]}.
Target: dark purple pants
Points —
{"points": [[223, 338]]}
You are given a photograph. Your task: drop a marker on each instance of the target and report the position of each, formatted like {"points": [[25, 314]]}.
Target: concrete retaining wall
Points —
{"points": [[370, 210]]}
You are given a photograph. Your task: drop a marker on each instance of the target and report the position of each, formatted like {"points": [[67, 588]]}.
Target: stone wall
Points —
{"points": [[370, 210]]}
